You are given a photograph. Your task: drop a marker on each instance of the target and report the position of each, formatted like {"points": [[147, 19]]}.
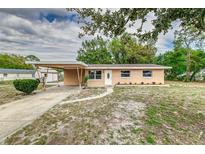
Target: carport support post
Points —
{"points": [[45, 80], [81, 76], [78, 77]]}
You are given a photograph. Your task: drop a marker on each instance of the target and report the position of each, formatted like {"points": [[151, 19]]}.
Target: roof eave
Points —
{"points": [[56, 63], [128, 67]]}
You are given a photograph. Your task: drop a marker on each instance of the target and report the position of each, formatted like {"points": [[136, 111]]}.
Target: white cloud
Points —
{"points": [[57, 40], [23, 31]]}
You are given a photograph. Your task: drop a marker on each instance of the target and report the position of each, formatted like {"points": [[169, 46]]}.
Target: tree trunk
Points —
{"points": [[193, 75], [188, 63]]}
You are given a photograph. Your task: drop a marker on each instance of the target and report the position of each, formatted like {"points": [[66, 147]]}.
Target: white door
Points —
{"points": [[108, 77]]}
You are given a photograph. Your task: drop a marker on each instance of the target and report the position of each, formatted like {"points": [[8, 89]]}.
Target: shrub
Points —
{"points": [[85, 80], [142, 82], [26, 85]]}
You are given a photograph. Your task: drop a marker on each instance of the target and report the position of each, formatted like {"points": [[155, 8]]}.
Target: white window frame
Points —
{"points": [[147, 76], [124, 73], [95, 74]]}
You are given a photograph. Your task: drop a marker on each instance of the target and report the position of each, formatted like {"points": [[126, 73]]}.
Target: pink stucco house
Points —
{"points": [[101, 75]]}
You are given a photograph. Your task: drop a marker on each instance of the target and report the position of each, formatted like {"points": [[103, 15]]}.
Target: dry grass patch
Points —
{"points": [[88, 92], [130, 115], [8, 93]]}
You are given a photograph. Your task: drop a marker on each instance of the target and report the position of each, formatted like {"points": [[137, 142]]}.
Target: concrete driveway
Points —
{"points": [[17, 114]]}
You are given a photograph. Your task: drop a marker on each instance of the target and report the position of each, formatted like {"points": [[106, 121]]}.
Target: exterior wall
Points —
{"points": [[15, 76], [136, 76], [96, 82], [71, 77]]}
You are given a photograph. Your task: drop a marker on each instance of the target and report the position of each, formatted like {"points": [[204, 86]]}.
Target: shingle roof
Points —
{"points": [[14, 71], [128, 65]]}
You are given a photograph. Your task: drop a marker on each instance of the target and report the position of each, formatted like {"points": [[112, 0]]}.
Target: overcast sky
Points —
{"points": [[51, 34]]}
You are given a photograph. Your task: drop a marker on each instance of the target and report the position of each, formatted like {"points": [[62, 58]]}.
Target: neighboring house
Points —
{"points": [[51, 74], [12, 74], [101, 75], [200, 76]]}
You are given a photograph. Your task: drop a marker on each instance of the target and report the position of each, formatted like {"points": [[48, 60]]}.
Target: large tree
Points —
{"points": [[119, 50], [126, 49], [32, 58], [189, 38], [13, 61], [95, 52], [177, 60], [115, 22]]}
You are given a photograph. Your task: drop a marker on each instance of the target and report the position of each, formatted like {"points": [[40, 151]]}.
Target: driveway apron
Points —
{"points": [[15, 115]]}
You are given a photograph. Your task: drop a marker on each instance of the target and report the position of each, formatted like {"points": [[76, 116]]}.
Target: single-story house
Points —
{"points": [[101, 75], [12, 74]]}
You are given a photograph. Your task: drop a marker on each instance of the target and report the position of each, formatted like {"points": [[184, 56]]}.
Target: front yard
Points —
{"points": [[130, 115], [8, 93]]}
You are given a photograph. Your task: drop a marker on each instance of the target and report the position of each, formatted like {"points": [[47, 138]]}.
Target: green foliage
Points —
{"points": [[32, 58], [122, 50], [94, 52], [177, 60], [86, 78], [13, 61], [26, 85], [127, 50], [114, 23], [150, 139], [189, 37]]}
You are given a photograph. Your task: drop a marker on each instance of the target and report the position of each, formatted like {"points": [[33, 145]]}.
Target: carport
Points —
{"points": [[74, 71]]}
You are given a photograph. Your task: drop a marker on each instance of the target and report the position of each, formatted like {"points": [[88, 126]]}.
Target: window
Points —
{"points": [[94, 74], [125, 74], [5, 75], [91, 74], [147, 73], [98, 75]]}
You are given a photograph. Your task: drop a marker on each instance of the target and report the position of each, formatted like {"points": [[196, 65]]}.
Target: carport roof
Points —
{"points": [[58, 64]]}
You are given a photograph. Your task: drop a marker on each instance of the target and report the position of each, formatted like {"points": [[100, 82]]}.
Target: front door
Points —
{"points": [[108, 77]]}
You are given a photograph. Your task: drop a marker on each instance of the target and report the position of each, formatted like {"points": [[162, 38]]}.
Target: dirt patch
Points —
{"points": [[130, 115], [88, 92], [122, 116], [126, 117]]}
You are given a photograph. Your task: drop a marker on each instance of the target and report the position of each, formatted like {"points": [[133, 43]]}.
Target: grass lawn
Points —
{"points": [[130, 115], [8, 93]]}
